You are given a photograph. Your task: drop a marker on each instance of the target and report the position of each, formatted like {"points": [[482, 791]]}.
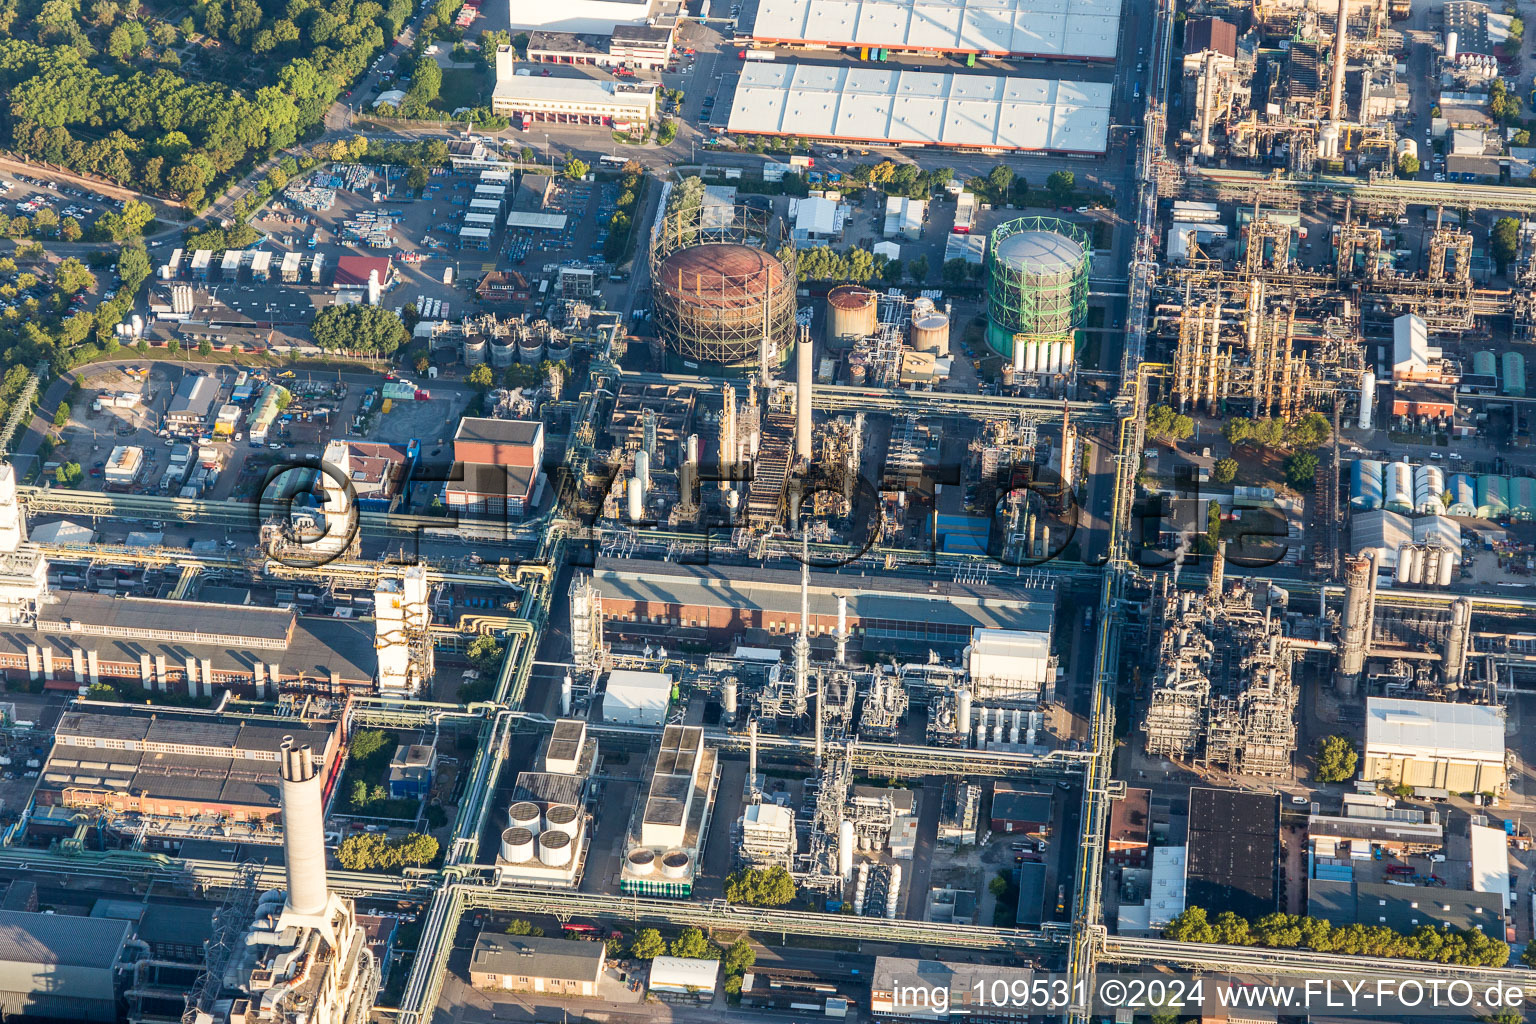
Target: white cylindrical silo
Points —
{"points": [[980, 742], [517, 845], [565, 695], [1416, 573], [643, 471], [1404, 557], [1068, 356], [963, 712], [1367, 399], [893, 895], [997, 729], [303, 829], [641, 861], [1056, 357], [635, 492], [675, 864], [525, 814], [1031, 356], [691, 450], [562, 818], [845, 844], [1451, 41], [728, 697], [1447, 568], [1021, 353], [555, 849]]}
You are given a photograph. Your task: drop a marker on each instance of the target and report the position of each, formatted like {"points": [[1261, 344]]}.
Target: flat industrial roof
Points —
{"points": [[922, 108], [537, 89], [1234, 850], [536, 221], [61, 940], [778, 590], [79, 613], [1036, 28], [1433, 729]]}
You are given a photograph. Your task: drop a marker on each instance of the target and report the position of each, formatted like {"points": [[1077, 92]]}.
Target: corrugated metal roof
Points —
{"points": [[922, 107], [1434, 729], [61, 940], [1055, 28], [534, 957]]}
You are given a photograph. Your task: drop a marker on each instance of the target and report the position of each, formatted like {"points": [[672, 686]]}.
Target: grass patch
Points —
{"points": [[462, 87]]}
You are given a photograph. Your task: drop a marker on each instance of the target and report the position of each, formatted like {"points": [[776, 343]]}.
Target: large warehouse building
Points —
{"points": [[718, 603], [1459, 747], [172, 765], [56, 967], [530, 99], [193, 648], [1234, 852], [1086, 29], [921, 108], [598, 16]]}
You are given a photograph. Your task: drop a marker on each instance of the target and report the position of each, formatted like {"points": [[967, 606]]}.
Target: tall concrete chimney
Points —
{"points": [[303, 830], [803, 396], [1340, 58]]}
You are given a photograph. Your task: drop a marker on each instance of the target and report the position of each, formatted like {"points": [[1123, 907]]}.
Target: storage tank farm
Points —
{"points": [[722, 294], [1037, 293]]}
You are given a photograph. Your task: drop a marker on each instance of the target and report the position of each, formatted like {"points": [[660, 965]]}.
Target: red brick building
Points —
{"points": [[1130, 823], [496, 466]]}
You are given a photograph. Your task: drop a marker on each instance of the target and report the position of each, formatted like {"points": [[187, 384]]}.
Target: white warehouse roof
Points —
{"points": [[1435, 730], [922, 108], [638, 689], [1036, 28], [1490, 860], [681, 974]]}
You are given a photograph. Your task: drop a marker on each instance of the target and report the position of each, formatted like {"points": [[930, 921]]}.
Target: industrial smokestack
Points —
{"points": [[303, 830], [1340, 52], [803, 396]]}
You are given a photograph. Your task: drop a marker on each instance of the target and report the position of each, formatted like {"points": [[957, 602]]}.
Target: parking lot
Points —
{"points": [[25, 196]]}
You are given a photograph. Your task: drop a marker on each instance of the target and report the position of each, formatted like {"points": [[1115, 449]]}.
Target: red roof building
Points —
{"points": [[353, 271]]}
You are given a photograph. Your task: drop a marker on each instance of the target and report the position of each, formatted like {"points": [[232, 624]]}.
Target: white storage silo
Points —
{"points": [[845, 845], [517, 845], [555, 849], [562, 818], [1368, 396]]}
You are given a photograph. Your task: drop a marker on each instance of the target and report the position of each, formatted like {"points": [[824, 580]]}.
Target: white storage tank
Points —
{"points": [[641, 861], [1368, 388], [474, 350], [525, 814], [675, 864], [1447, 568], [562, 818], [503, 352], [517, 845], [555, 849], [635, 499]]}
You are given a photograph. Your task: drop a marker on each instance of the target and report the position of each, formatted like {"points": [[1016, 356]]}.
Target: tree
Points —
{"points": [[1213, 525], [998, 886], [485, 652], [1336, 760], [1505, 242], [205, 347], [1226, 470], [70, 230], [1061, 185], [666, 131], [522, 926], [575, 168], [1408, 165], [917, 269], [1191, 925], [647, 945], [692, 945], [892, 272], [72, 277], [999, 181], [1300, 468], [367, 743], [740, 957], [481, 377], [69, 474], [1163, 424], [372, 330], [954, 272], [61, 415], [1521, 137], [760, 887]]}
